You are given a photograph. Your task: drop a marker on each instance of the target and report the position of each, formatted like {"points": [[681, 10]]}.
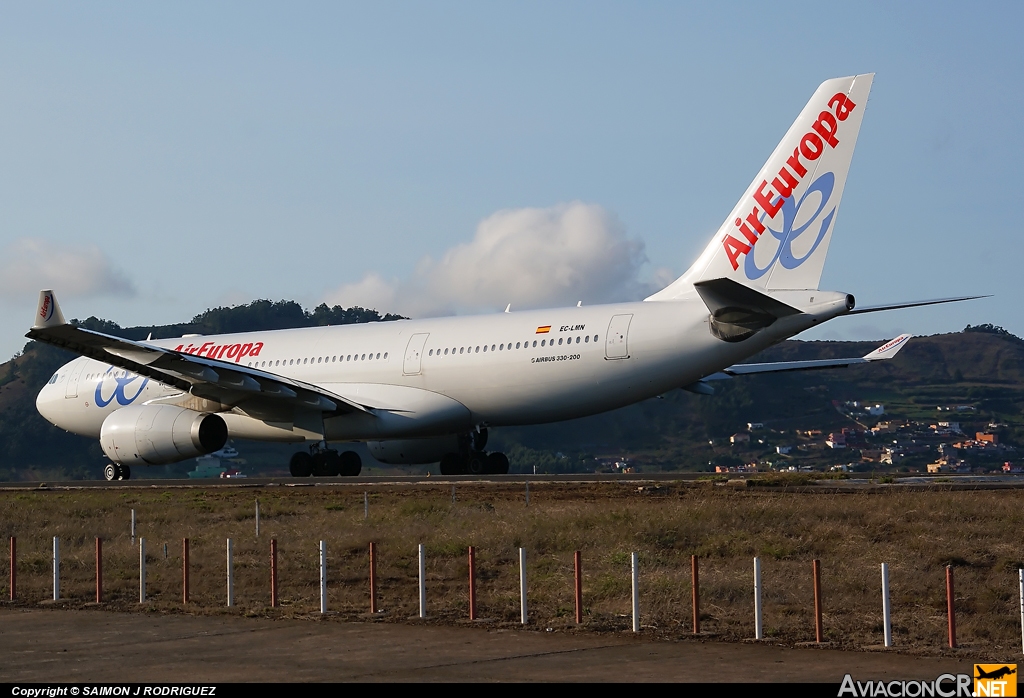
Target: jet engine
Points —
{"points": [[413, 451], [160, 434]]}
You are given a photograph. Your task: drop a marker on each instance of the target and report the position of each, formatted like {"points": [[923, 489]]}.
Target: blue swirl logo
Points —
{"points": [[119, 390], [790, 210]]}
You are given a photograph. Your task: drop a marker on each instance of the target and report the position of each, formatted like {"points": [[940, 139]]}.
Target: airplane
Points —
{"points": [[428, 390]]}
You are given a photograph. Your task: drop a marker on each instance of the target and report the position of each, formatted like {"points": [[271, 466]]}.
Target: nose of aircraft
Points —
{"points": [[46, 403]]}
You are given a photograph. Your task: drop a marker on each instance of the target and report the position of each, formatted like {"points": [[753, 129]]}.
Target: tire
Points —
{"points": [[497, 463], [332, 463], [476, 464], [351, 464], [301, 465], [110, 472], [451, 464], [126, 472], [319, 464]]}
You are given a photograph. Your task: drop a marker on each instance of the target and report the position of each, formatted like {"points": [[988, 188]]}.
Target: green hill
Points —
{"points": [[981, 367]]}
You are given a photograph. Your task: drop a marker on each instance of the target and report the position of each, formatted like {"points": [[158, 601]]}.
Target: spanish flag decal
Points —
{"points": [[543, 330]]}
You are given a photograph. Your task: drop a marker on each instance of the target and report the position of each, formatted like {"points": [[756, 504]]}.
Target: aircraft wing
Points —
{"points": [[227, 383], [886, 351]]}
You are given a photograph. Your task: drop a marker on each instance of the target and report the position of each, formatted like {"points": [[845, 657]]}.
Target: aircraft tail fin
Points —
{"points": [[777, 235]]}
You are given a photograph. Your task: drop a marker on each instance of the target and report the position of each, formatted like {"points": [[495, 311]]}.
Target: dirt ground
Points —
{"points": [[94, 645]]}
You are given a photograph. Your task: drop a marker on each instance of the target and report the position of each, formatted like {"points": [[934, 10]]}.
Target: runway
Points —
{"points": [[853, 484]]}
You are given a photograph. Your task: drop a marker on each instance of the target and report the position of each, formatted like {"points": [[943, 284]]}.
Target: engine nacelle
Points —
{"points": [[160, 434], [413, 451]]}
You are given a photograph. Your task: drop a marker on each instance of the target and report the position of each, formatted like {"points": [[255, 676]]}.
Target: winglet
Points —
{"points": [[887, 350], [48, 312]]}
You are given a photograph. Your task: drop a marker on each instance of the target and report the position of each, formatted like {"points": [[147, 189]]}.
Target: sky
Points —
{"points": [[434, 158]]}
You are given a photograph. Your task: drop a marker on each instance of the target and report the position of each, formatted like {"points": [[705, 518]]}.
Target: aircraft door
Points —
{"points": [[76, 372], [414, 354], [616, 345]]}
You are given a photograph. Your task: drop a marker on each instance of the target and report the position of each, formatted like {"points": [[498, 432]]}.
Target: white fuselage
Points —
{"points": [[490, 370]]}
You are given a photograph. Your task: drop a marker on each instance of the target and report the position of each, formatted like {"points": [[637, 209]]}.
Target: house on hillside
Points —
{"points": [[739, 438]]}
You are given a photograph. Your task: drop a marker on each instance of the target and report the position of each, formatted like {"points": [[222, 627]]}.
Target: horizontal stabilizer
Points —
{"points": [[725, 295], [911, 304], [738, 311]]}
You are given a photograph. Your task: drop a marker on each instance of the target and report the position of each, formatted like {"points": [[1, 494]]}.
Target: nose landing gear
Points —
{"points": [[116, 471]]}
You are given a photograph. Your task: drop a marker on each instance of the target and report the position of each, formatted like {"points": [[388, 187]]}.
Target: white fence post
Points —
{"points": [[257, 518], [133, 527], [56, 568], [366, 505], [323, 576], [522, 583], [758, 624], [231, 577], [1020, 574], [527, 493], [636, 592], [423, 582], [142, 568], [886, 609]]}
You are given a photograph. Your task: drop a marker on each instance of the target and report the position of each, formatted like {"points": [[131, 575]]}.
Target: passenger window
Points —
{"points": [[543, 341], [595, 337], [586, 339], [492, 347], [501, 347], [378, 354], [430, 353], [385, 356], [517, 345], [446, 351], [559, 341], [462, 349], [535, 344], [478, 350], [363, 357]]}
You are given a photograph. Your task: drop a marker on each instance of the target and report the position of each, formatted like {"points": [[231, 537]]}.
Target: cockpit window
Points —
{"points": [[52, 380]]}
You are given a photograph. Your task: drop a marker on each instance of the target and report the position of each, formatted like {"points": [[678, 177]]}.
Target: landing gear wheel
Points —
{"points": [[125, 472], [351, 464], [332, 463], [497, 463], [301, 465], [476, 464], [451, 464], [319, 464], [110, 472]]}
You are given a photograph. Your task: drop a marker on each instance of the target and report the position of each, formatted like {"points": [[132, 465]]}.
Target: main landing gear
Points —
{"points": [[472, 459], [325, 462], [115, 471]]}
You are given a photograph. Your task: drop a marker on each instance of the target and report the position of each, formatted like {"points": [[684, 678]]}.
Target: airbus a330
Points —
{"points": [[422, 391]]}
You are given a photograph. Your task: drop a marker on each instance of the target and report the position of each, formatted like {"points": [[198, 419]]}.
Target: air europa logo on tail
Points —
{"points": [[812, 145], [46, 311]]}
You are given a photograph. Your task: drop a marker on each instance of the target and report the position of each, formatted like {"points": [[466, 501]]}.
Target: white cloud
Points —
{"points": [[529, 257], [31, 264]]}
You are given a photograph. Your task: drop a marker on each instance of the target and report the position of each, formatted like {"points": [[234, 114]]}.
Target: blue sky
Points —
{"points": [[157, 160]]}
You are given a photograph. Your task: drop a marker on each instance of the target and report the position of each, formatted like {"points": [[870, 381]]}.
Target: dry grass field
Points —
{"points": [[916, 533]]}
